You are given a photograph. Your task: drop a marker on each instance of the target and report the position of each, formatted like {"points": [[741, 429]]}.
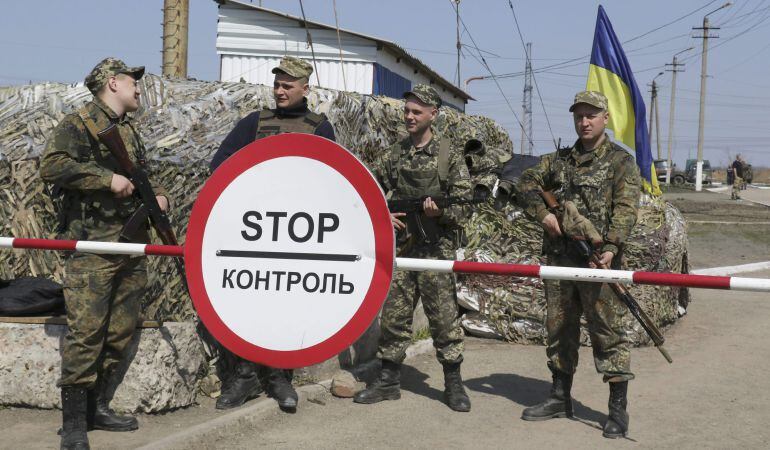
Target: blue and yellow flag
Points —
{"points": [[610, 74]]}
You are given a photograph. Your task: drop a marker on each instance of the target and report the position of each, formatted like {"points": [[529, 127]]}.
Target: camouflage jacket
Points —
{"points": [[83, 167], [603, 183], [405, 171]]}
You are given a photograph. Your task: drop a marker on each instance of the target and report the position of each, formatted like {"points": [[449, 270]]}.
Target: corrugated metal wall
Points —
{"points": [[389, 83], [257, 70], [250, 44], [399, 67]]}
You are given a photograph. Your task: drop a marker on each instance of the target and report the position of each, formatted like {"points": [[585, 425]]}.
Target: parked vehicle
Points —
{"points": [[679, 177]]}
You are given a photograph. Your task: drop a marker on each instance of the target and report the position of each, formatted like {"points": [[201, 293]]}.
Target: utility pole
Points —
{"points": [[674, 70], [176, 15], [459, 45], [701, 116], [526, 105], [654, 107]]}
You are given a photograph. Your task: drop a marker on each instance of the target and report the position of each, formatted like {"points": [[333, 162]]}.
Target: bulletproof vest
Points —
{"points": [[408, 182], [270, 124]]}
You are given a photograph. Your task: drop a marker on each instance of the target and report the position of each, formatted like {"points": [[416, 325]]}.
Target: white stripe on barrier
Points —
{"points": [[421, 265], [6, 242], [749, 284], [582, 274], [116, 248]]}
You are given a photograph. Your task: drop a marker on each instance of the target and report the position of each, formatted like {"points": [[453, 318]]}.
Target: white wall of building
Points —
{"points": [[250, 44]]}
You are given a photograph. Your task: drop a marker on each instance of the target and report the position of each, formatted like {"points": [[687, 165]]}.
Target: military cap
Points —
{"points": [[593, 98], [294, 67], [425, 94], [109, 67]]}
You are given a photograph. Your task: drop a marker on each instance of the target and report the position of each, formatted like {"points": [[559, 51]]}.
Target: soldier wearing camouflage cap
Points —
{"points": [[291, 115], [600, 180], [103, 293], [422, 166]]}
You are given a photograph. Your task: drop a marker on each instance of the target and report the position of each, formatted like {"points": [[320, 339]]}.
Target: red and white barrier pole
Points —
{"points": [[437, 265], [585, 274], [115, 248]]}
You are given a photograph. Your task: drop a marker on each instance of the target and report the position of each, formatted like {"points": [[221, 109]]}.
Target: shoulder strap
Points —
{"points": [[89, 123], [443, 162]]}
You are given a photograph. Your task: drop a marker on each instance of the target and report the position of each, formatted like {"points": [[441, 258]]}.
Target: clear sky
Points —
{"points": [[62, 40]]}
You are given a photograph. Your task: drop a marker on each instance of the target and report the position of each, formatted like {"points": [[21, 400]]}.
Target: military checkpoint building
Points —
{"points": [[251, 41]]}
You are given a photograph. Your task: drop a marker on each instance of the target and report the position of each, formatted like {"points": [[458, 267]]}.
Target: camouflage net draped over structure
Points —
{"points": [[183, 122]]}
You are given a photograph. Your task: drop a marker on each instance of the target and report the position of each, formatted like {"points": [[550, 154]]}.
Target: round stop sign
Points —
{"points": [[289, 251]]}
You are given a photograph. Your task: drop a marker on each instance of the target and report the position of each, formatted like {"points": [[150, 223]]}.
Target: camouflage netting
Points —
{"points": [[183, 123]]}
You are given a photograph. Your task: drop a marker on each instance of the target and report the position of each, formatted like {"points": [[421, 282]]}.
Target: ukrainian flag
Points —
{"points": [[610, 74]]}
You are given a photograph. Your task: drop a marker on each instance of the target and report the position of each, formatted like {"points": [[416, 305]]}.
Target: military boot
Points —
{"points": [[279, 387], [386, 387], [74, 435], [244, 385], [617, 421], [101, 416], [558, 404], [454, 392]]}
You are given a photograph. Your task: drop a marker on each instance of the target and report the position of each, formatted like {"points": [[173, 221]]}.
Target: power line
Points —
{"points": [[755, 25], [310, 42], [534, 78], [568, 62], [670, 23], [486, 66]]}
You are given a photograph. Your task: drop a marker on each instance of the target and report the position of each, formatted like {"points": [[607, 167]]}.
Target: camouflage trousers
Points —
{"points": [[103, 296], [566, 302], [439, 300], [737, 186]]}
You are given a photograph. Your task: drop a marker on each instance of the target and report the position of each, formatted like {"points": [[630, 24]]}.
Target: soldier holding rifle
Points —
{"points": [[103, 293], [602, 181], [422, 166]]}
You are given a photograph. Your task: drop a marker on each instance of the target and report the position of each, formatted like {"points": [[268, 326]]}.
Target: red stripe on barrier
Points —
{"points": [[521, 270], [164, 250], [46, 244], [677, 279]]}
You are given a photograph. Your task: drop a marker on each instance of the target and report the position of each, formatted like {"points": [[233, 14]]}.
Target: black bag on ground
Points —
{"points": [[30, 296]]}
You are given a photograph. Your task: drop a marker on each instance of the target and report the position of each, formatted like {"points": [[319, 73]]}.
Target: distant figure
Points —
{"points": [[738, 172]]}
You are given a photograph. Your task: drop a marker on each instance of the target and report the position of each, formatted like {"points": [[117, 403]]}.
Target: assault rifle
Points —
{"points": [[585, 248], [421, 228], [110, 137]]}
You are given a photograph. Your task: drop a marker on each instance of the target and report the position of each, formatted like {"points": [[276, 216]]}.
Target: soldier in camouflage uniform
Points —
{"points": [[291, 115], [602, 181], [738, 175], [103, 293], [423, 165]]}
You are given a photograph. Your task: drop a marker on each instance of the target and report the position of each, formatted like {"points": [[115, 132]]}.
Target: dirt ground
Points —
{"points": [[714, 395]]}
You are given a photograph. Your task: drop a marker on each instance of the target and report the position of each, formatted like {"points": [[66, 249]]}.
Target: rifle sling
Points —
{"points": [[89, 123]]}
